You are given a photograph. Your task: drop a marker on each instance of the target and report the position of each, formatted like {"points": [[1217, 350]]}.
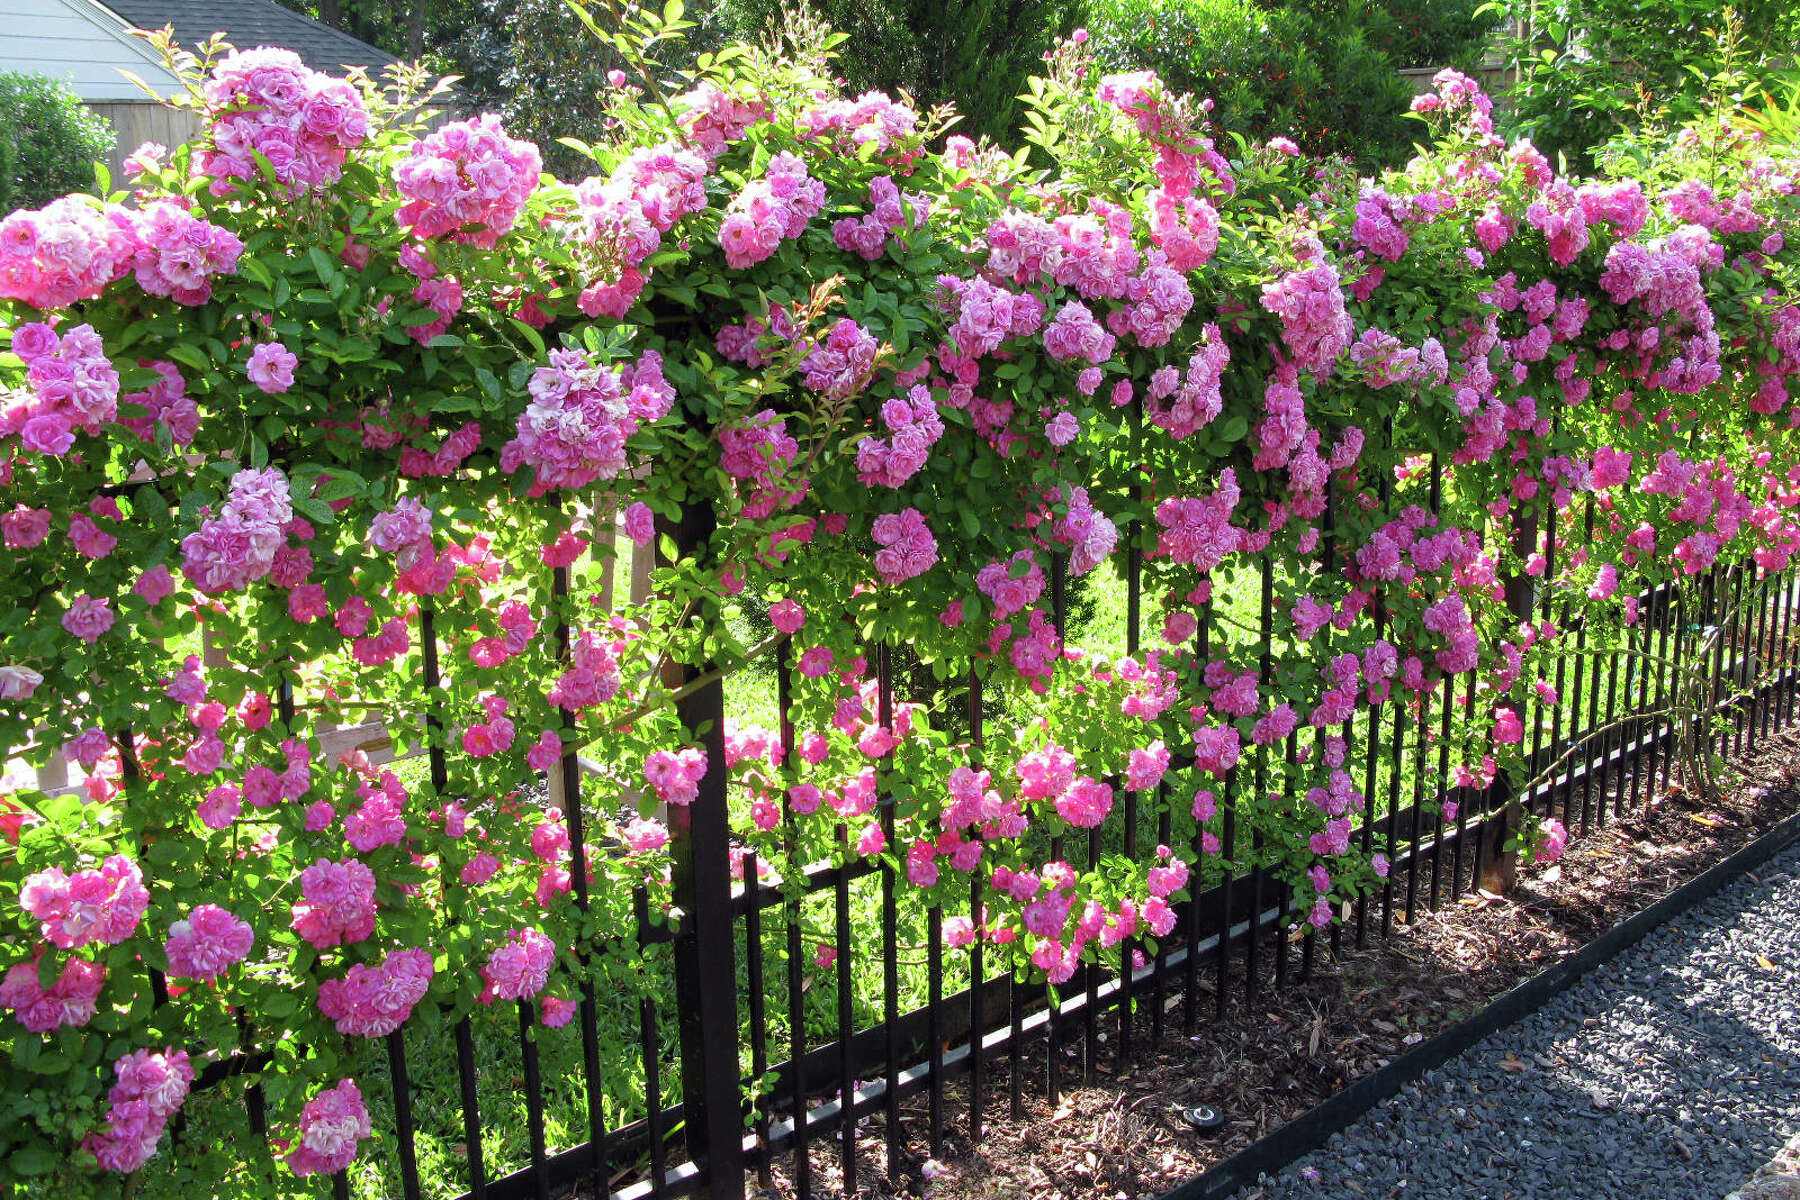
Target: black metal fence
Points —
{"points": [[740, 981]]}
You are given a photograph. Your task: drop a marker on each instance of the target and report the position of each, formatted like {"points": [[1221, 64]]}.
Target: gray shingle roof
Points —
{"points": [[250, 23]]}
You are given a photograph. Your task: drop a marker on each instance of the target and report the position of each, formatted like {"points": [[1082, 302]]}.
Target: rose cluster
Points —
{"points": [[467, 181], [581, 415], [151, 1088], [268, 103], [73, 388]]}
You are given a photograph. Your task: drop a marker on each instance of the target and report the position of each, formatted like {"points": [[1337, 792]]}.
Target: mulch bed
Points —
{"points": [[1264, 1065]]}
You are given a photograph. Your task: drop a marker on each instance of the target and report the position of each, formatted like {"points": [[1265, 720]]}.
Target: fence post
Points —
{"points": [[705, 955], [1499, 866]]}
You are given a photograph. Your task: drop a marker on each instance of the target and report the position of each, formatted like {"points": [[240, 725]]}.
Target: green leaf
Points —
{"points": [[255, 268], [33, 1160], [151, 505], [188, 356], [50, 1062], [340, 488], [578, 146], [316, 511], [322, 265], [529, 334], [138, 379]]}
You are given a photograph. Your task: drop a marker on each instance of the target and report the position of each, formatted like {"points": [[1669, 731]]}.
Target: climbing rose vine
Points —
{"points": [[334, 417]]}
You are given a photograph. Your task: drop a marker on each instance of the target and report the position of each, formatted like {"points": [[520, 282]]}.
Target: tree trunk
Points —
{"points": [[416, 17], [1500, 866]]}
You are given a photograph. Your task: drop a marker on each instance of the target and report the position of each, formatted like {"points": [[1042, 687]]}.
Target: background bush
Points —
{"points": [[1412, 33], [1591, 69], [975, 55], [533, 62], [49, 140], [1311, 74], [1321, 71]]}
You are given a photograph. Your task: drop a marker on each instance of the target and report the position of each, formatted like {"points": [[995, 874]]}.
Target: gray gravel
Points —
{"points": [[1670, 1073]]}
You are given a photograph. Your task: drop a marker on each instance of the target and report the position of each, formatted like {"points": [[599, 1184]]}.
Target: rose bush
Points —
{"points": [[361, 402]]}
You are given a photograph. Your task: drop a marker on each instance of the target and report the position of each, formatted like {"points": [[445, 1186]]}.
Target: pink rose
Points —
{"points": [[89, 617], [271, 367], [787, 616], [23, 528], [331, 1125], [34, 341], [206, 942], [1556, 838], [154, 585], [17, 683], [640, 524], [49, 434], [71, 1000], [519, 968]]}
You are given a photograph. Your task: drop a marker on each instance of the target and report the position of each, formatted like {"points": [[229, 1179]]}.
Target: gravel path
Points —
{"points": [[1670, 1073]]}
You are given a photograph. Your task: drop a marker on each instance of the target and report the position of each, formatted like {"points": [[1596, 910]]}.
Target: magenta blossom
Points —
{"points": [[1555, 839], [520, 967], [103, 905], [89, 617], [375, 1001], [208, 941], [17, 682], [271, 367], [331, 1125], [70, 1001]]}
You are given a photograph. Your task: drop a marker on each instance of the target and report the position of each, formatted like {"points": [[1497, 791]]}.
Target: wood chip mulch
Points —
{"points": [[1123, 1138]]}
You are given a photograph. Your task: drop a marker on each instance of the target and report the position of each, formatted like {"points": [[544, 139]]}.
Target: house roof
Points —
{"points": [[250, 23]]}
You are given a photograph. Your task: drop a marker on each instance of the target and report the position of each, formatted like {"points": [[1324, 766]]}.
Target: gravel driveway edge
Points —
{"points": [[1310, 1131]]}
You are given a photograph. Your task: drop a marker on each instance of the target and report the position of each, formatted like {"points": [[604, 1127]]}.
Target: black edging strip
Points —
{"points": [[1310, 1130]]}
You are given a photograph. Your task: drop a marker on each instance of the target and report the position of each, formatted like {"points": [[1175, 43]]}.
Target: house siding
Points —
{"points": [[80, 42]]}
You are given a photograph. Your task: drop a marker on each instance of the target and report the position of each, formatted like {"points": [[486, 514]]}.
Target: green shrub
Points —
{"points": [[1593, 69], [976, 55], [1412, 33], [1310, 76], [49, 140], [1774, 113]]}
